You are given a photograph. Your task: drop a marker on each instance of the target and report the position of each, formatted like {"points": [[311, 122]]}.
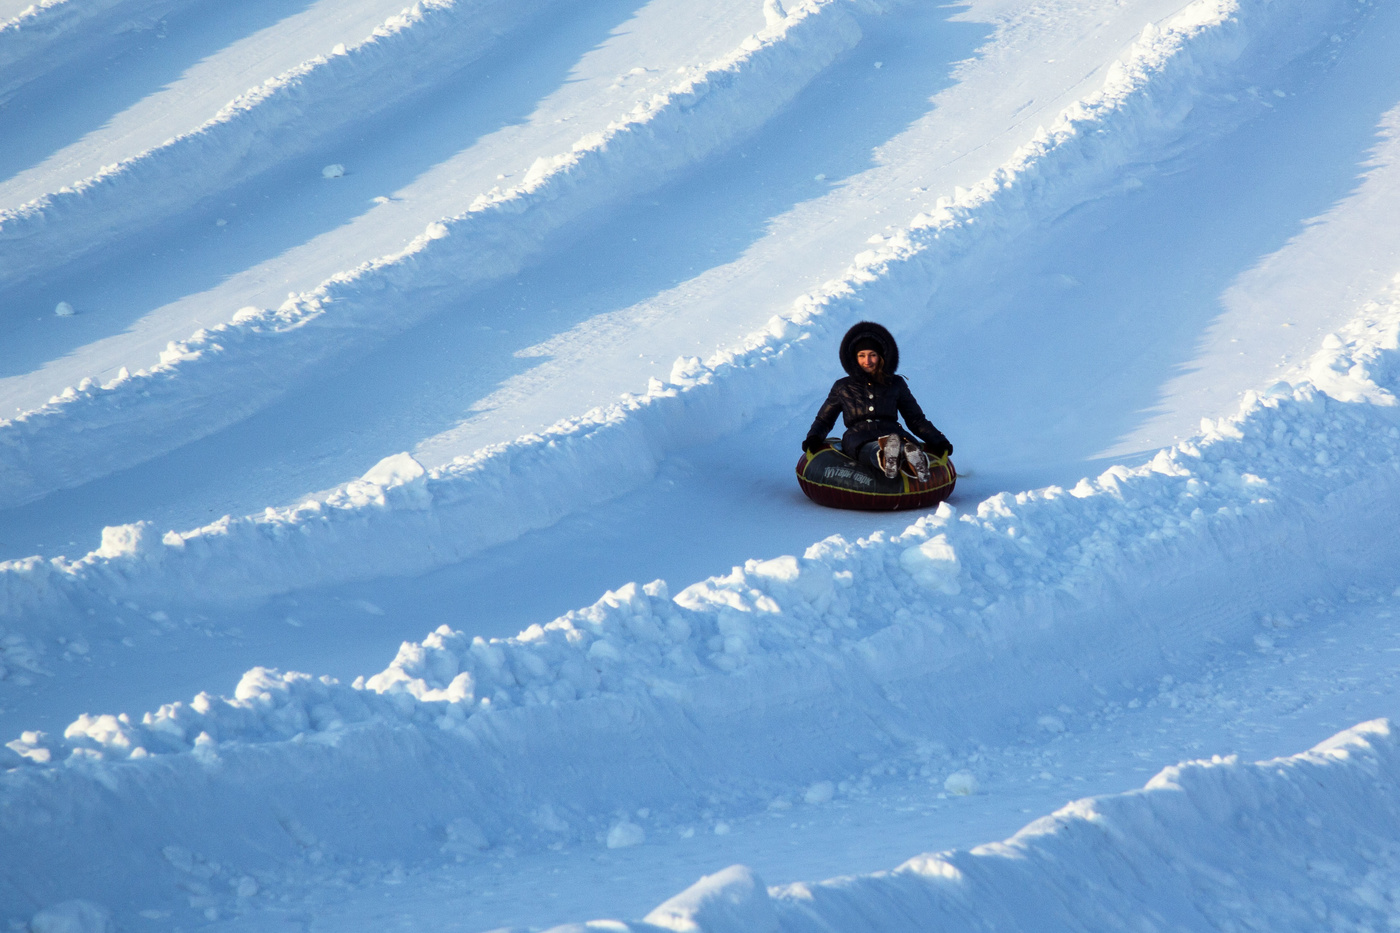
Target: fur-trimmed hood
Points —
{"points": [[889, 354]]}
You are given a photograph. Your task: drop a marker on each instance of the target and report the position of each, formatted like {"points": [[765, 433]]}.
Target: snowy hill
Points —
{"points": [[342, 329]]}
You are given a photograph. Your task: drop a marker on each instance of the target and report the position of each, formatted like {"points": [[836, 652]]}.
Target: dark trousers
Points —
{"points": [[870, 455]]}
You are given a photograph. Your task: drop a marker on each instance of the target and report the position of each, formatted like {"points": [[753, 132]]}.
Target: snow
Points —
{"points": [[734, 898], [961, 783], [692, 119], [1157, 858], [38, 37], [1201, 501], [879, 278], [247, 132], [626, 834], [71, 917], [548, 324]]}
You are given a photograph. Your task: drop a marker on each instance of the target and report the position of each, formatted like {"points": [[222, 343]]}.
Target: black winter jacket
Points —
{"points": [[871, 409]]}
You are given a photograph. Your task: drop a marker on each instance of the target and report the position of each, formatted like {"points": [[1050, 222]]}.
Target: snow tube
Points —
{"points": [[831, 478]]}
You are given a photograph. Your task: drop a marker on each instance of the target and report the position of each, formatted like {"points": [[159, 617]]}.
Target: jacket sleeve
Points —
{"points": [[826, 418], [934, 441]]}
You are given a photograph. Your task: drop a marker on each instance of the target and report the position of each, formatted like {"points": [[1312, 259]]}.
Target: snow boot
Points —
{"points": [[889, 454], [918, 460]]}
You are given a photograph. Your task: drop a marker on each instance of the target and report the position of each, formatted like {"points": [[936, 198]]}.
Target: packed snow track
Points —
{"points": [[397, 417]]}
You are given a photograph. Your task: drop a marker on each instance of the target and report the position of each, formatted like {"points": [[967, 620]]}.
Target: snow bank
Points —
{"points": [[1294, 492], [47, 35], [734, 898], [1207, 845], [499, 493], [262, 127], [1062, 598], [219, 376]]}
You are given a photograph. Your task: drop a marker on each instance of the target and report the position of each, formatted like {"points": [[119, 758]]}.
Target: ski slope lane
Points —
{"points": [[38, 38], [782, 265], [1162, 570], [1098, 588], [440, 370], [666, 408], [1310, 674], [263, 100], [206, 382], [739, 496], [1216, 210], [198, 91], [1205, 845], [291, 228], [866, 654], [947, 150]]}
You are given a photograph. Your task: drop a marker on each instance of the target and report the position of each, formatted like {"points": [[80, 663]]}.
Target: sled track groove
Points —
{"points": [[1173, 851], [218, 376], [266, 125], [51, 34], [1109, 578], [498, 493]]}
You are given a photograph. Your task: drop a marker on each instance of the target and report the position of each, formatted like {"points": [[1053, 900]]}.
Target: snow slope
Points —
{"points": [[723, 100], [585, 447], [37, 38], [172, 168], [1158, 859], [1153, 571], [964, 647]]}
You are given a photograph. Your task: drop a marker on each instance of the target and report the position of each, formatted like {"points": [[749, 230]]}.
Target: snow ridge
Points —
{"points": [[219, 376], [1169, 856], [259, 128], [1098, 583], [1293, 458], [48, 34], [496, 494]]}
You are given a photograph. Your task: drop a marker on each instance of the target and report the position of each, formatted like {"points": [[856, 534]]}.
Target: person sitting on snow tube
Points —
{"points": [[871, 398]]}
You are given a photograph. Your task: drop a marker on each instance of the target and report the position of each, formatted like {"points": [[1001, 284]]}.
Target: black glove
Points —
{"points": [[939, 447], [813, 444]]}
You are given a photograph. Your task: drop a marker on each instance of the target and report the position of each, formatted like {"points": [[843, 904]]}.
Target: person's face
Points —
{"points": [[868, 360]]}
